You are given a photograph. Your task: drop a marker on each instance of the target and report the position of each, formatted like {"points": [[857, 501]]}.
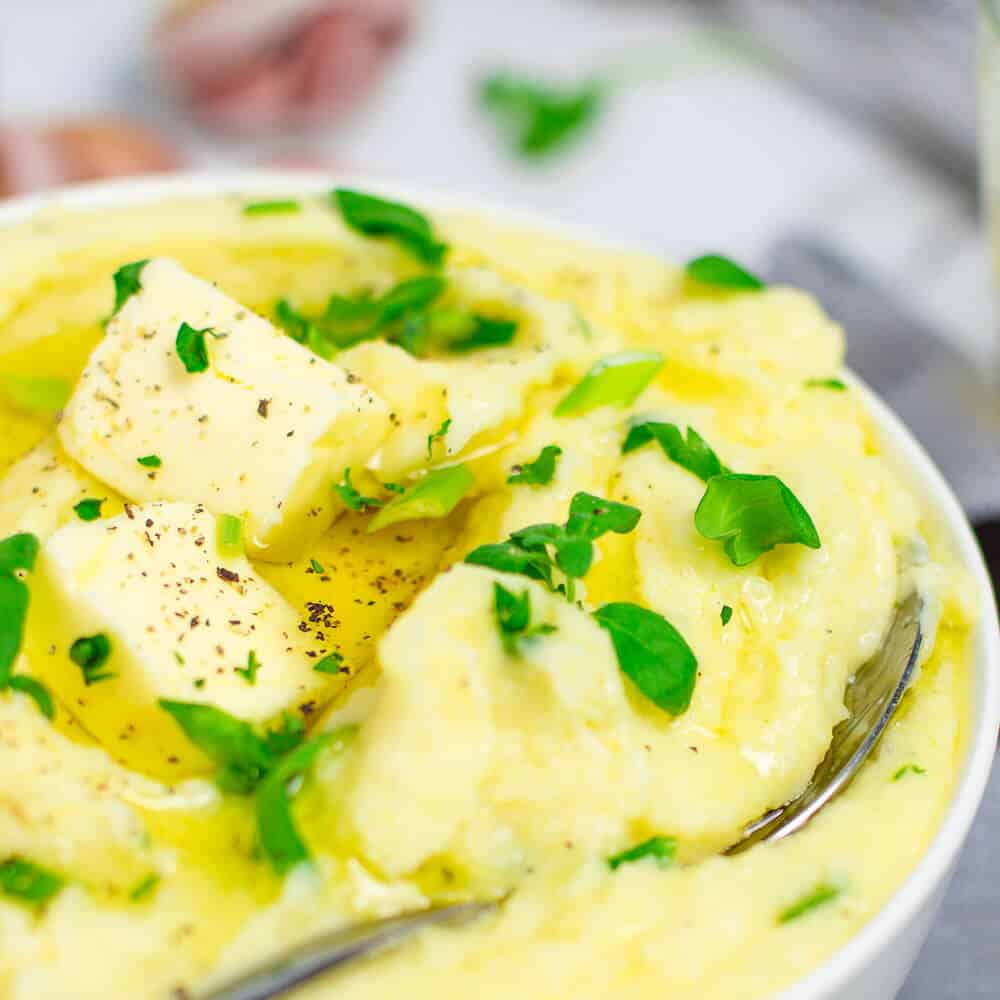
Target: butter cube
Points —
{"points": [[263, 433], [182, 620]]}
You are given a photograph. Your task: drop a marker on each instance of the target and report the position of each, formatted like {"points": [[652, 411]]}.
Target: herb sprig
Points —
{"points": [[513, 618], [371, 215], [539, 472]]}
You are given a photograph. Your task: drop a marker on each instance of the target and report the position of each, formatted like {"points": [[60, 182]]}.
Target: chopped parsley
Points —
{"points": [[316, 567], [751, 515], [89, 509], [292, 321], [373, 216], [617, 379], [823, 893], [726, 614], [908, 769], [540, 471], [229, 534], [539, 119], [436, 495], [438, 435], [513, 617], [538, 550], [90, 653], [353, 500], [332, 663], [481, 332], [144, 888], [249, 672], [35, 393], [691, 452], [127, 283], [660, 849], [150, 461], [276, 207], [36, 691], [826, 383], [17, 555], [192, 350], [27, 882], [721, 272], [651, 653]]}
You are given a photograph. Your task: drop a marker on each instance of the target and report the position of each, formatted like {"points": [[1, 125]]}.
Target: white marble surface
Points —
{"points": [[707, 153]]}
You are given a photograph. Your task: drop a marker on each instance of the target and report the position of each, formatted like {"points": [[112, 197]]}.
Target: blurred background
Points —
{"points": [[831, 144]]}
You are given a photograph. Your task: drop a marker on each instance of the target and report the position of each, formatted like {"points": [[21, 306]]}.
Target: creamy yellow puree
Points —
{"points": [[474, 773]]}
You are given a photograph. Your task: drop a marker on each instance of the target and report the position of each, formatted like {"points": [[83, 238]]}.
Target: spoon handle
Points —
{"points": [[276, 977]]}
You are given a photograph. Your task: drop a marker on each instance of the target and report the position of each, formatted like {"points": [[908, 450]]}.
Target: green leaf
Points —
{"points": [[592, 516], [652, 654], [436, 495], [350, 321], [537, 118], [713, 269], [127, 283], [826, 383], [286, 737], [27, 882], [243, 756], [90, 653], [276, 207], [89, 509], [692, 453], [144, 888], [661, 849], [726, 614], [192, 349], [352, 499], [509, 557], [35, 393], [908, 769], [438, 435], [291, 321], [539, 472], [374, 216], [18, 552], [229, 534], [14, 599], [276, 828], [617, 379], [483, 334], [753, 514], [249, 672], [822, 894], [150, 461], [513, 618], [37, 692], [332, 663]]}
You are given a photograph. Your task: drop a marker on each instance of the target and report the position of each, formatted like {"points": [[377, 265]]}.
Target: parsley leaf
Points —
{"points": [[617, 379], [229, 534], [352, 499], [592, 516], [513, 617], [17, 553], [436, 495], [726, 614], [89, 509], [539, 472], [249, 672], [332, 663], [374, 216], [511, 557], [90, 653], [662, 849], [36, 691], [27, 882], [826, 383], [127, 283], [751, 515], [150, 461], [692, 453], [192, 349], [243, 756], [287, 736], [317, 567], [35, 393], [713, 269], [540, 119], [822, 894], [908, 769], [483, 332], [144, 887], [438, 435], [291, 321], [652, 653], [276, 207]]}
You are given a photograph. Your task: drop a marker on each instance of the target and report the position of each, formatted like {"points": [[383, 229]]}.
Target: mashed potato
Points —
{"points": [[462, 730]]}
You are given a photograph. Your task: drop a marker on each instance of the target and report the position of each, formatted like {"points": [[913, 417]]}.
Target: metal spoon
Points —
{"points": [[871, 700]]}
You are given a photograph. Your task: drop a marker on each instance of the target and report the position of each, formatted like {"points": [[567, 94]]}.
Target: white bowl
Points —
{"points": [[876, 961]]}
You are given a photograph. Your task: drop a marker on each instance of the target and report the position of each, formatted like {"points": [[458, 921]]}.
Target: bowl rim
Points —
{"points": [[932, 871]]}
